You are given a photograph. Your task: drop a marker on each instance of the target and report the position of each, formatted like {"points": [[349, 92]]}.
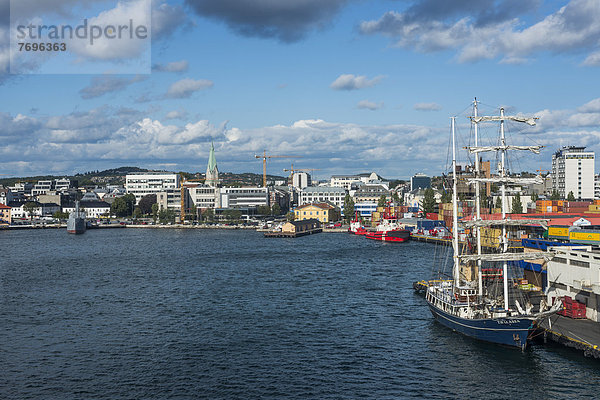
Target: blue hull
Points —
{"points": [[507, 331]]}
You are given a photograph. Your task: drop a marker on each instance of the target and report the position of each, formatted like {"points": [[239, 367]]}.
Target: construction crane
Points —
{"points": [[264, 160], [294, 170]]}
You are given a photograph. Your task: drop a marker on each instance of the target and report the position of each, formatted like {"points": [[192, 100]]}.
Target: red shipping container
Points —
{"points": [[567, 300]]}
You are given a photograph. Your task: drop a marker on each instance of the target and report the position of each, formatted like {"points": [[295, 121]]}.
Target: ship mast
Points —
{"points": [[477, 204], [456, 270], [503, 190]]}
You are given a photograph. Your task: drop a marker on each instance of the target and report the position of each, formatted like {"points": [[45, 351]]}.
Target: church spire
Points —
{"points": [[212, 172]]}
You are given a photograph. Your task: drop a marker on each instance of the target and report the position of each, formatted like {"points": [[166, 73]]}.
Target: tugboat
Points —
{"points": [[356, 227], [389, 230], [76, 222]]}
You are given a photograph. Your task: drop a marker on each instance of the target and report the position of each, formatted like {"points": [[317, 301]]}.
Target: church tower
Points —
{"points": [[212, 172]]}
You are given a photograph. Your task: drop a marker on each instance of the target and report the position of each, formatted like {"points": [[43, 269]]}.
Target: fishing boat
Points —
{"points": [[76, 222], [497, 311]]}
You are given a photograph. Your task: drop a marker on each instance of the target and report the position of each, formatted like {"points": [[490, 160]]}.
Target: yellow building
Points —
{"points": [[5, 215], [322, 212]]}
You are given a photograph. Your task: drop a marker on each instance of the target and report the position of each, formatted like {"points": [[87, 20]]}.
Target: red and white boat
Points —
{"points": [[389, 230], [356, 227]]}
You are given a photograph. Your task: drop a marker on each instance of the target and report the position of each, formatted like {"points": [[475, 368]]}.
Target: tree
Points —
{"points": [[348, 208], [571, 196], [263, 210], [446, 197], [382, 201], [396, 198], [290, 216], [498, 202], [166, 215], [429, 201], [276, 209], [123, 206], [555, 195], [534, 197], [30, 207], [137, 212], [61, 215], [208, 215], [517, 207], [154, 212], [146, 203]]}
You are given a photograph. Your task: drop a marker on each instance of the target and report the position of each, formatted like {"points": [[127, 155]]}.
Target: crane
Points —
{"points": [[264, 160], [294, 170]]}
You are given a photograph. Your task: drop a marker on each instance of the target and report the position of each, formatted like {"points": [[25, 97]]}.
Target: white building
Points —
{"points": [[6, 196], [169, 199], [41, 187], [243, 197], [300, 180], [204, 196], [91, 208], [573, 171], [575, 272], [320, 194], [144, 183]]}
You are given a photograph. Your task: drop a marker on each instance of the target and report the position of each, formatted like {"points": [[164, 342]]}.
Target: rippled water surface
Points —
{"points": [[155, 314]]}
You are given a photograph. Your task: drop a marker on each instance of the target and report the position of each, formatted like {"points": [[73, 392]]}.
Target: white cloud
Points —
{"points": [[353, 82], [184, 88], [176, 115], [101, 85], [571, 28], [427, 107], [369, 105], [107, 137], [175, 66]]}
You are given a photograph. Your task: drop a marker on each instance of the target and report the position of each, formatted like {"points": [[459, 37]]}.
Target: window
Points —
{"points": [[560, 260], [578, 263]]}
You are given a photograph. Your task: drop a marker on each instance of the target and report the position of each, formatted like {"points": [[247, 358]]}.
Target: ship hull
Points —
{"points": [[76, 225], [509, 331], [389, 236]]}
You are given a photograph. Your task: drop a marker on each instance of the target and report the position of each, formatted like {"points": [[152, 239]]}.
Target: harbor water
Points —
{"points": [[186, 314]]}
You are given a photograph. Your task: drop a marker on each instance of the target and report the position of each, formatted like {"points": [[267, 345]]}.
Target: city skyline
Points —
{"points": [[345, 86]]}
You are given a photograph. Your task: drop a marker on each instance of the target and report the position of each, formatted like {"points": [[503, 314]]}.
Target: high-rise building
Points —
{"points": [[573, 171], [212, 172], [420, 181]]}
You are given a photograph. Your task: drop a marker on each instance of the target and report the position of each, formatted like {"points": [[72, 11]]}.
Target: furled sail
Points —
{"points": [[481, 149], [545, 255], [504, 222]]}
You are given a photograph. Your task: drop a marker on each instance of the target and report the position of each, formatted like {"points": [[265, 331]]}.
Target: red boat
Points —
{"points": [[356, 227], [395, 235]]}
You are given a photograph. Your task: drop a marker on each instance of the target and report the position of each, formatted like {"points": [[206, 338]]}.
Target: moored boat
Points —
{"points": [[76, 222], [491, 313]]}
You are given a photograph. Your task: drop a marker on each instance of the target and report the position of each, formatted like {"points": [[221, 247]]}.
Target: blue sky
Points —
{"points": [[347, 86]]}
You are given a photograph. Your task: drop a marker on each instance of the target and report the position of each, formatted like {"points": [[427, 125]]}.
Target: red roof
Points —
{"points": [[5, 206]]}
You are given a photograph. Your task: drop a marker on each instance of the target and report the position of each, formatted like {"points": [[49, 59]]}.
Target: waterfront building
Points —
{"points": [[212, 172], [368, 193], [574, 272], [365, 210], [323, 212], [573, 171], [243, 197], [18, 210], [320, 194], [420, 181], [169, 199], [5, 215], [91, 208], [346, 181], [203, 195], [6, 196], [144, 183]]}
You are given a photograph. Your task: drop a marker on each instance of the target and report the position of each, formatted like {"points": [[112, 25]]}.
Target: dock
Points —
{"points": [[279, 234], [580, 334]]}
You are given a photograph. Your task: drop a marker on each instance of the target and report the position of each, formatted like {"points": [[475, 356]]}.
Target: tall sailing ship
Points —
{"points": [[493, 312]]}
